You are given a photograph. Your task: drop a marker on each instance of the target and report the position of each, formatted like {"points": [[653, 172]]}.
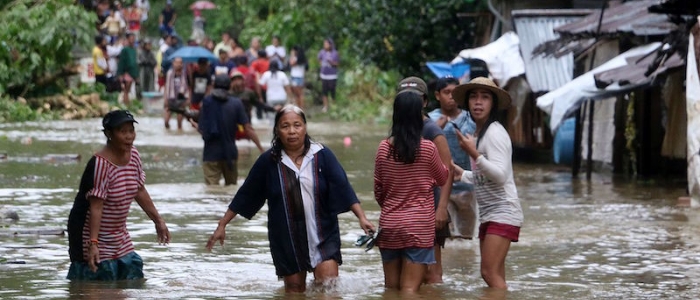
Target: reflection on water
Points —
{"points": [[602, 239]]}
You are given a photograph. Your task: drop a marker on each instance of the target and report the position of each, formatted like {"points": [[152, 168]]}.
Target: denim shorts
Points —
{"points": [[424, 256], [129, 266], [297, 81]]}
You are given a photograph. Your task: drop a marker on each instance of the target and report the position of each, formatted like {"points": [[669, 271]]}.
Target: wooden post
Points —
{"points": [[577, 144], [589, 155], [579, 121]]}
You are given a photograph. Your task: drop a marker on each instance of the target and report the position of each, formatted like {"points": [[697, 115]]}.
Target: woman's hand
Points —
{"points": [[441, 216], [93, 257], [457, 172], [218, 235], [442, 121], [162, 232], [468, 144], [367, 226]]}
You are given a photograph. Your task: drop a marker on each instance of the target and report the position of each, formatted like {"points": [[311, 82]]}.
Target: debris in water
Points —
{"points": [[12, 215], [62, 157]]}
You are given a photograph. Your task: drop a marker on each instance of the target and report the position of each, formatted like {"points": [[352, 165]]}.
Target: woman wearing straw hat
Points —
{"points": [[491, 154]]}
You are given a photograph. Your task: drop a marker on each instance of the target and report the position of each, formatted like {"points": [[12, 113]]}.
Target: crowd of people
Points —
{"points": [[117, 63], [459, 156], [271, 76], [263, 78]]}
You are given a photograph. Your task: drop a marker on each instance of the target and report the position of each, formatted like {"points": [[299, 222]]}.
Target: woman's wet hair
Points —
{"points": [[277, 142], [443, 82], [406, 126]]}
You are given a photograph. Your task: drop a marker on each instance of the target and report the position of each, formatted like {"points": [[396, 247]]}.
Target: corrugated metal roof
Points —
{"points": [[640, 70], [631, 17], [535, 27]]}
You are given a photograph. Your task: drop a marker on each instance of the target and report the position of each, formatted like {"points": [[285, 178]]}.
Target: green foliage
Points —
{"points": [[111, 98], [366, 92], [89, 88], [14, 111], [37, 39], [392, 34]]}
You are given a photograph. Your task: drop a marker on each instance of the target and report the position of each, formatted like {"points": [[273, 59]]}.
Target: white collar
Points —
{"points": [[313, 149]]}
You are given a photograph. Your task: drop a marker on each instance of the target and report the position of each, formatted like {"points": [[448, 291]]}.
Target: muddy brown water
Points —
{"points": [[603, 239]]}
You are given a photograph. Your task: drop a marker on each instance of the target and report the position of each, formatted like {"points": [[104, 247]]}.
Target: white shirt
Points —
{"points": [[492, 177], [271, 50], [275, 86], [118, 15], [145, 6], [305, 175], [222, 46], [298, 71], [112, 52]]}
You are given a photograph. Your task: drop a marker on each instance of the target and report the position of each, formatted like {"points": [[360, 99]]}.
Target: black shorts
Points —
{"points": [[328, 87]]}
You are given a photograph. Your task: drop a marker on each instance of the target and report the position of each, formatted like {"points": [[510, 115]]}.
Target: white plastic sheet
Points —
{"points": [[563, 101], [692, 96], [502, 57]]}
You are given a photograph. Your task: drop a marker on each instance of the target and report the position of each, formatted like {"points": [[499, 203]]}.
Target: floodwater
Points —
{"points": [[603, 239]]}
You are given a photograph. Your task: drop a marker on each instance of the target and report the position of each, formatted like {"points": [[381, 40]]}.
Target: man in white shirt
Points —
{"points": [[276, 50], [113, 51]]}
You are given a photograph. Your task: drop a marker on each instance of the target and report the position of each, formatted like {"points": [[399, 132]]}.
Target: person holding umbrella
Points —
{"points": [[202, 5]]}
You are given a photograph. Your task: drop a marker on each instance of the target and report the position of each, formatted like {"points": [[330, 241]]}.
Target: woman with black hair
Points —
{"points": [[277, 84], [491, 154], [298, 66], [407, 218], [306, 188]]}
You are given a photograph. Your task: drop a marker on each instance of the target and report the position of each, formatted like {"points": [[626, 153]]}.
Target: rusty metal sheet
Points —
{"points": [[632, 17], [635, 73]]}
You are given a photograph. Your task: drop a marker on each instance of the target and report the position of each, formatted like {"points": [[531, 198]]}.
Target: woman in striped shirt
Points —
{"points": [[407, 219], [100, 247], [492, 176]]}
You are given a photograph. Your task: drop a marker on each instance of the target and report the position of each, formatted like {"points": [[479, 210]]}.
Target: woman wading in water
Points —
{"points": [[305, 188], [491, 154]]}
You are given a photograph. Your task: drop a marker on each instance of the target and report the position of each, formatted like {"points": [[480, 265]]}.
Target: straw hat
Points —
{"points": [[460, 93]]}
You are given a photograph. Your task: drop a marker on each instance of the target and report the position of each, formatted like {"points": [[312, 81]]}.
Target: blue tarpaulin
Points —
{"points": [[442, 69]]}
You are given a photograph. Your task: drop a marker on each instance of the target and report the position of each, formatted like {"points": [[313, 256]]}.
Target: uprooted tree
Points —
{"points": [[36, 43]]}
